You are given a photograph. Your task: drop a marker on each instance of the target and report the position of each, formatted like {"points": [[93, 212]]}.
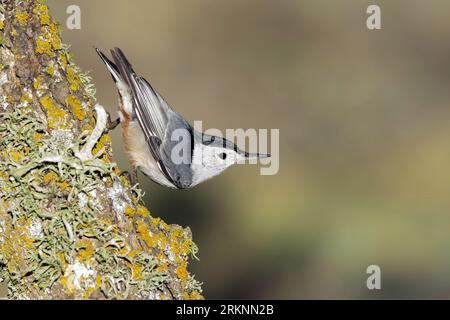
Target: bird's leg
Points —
{"points": [[131, 176], [111, 125]]}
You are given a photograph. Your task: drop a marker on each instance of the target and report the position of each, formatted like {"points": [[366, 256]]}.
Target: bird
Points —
{"points": [[149, 125]]}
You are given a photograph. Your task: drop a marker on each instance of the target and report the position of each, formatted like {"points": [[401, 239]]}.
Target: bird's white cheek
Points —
{"points": [[209, 161], [233, 159]]}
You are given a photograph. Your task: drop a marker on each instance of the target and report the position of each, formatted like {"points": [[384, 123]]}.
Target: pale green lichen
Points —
{"points": [[75, 75], [46, 245]]}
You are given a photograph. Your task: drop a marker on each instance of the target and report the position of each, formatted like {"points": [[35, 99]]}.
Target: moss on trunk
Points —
{"points": [[70, 225]]}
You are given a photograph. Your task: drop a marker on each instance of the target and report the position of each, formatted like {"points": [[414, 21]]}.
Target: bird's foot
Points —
{"points": [[132, 177], [111, 125]]}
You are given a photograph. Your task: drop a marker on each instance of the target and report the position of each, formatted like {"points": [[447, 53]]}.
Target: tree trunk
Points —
{"points": [[70, 225]]}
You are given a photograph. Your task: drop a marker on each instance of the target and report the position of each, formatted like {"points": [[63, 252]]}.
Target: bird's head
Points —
{"points": [[212, 155]]}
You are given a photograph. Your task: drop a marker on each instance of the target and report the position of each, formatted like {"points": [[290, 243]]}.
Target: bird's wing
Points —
{"points": [[152, 111]]}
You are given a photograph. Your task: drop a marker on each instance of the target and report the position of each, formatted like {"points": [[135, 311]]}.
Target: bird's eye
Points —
{"points": [[222, 155]]}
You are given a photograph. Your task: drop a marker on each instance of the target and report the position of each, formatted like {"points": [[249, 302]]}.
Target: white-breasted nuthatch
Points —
{"points": [[154, 134]]}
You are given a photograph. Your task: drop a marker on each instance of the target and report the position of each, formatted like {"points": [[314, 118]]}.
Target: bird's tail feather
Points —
{"points": [[112, 68]]}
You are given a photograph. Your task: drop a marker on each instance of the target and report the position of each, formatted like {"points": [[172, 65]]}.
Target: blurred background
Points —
{"points": [[364, 119]]}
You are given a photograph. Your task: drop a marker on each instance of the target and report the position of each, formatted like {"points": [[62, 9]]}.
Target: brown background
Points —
{"points": [[364, 119]]}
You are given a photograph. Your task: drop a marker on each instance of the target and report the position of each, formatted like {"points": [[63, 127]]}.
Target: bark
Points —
{"points": [[70, 225]]}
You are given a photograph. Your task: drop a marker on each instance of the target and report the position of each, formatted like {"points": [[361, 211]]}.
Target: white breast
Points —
{"points": [[136, 145]]}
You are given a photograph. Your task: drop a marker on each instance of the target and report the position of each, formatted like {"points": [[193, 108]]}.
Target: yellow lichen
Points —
{"points": [[109, 182], [162, 267], [85, 249], [104, 141], [98, 281], [64, 281], [38, 136], [77, 108], [42, 11], [143, 211], [17, 246], [80, 286], [48, 41], [195, 295], [145, 234], [153, 240], [16, 155], [182, 273], [50, 176], [64, 185], [3, 176], [186, 246], [43, 46], [117, 172], [87, 127], [55, 40], [38, 81], [129, 212], [2, 25], [63, 60], [51, 70], [158, 223], [136, 271], [105, 157], [26, 99], [56, 116], [73, 79], [22, 18], [62, 260]]}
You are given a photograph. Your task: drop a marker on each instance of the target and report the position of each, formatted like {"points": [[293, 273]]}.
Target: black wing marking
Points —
{"points": [[151, 109], [112, 68]]}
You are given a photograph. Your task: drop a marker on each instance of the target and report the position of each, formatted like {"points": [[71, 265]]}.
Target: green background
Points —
{"points": [[364, 119]]}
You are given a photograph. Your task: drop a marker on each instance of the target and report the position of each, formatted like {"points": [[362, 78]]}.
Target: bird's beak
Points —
{"points": [[251, 156], [254, 156]]}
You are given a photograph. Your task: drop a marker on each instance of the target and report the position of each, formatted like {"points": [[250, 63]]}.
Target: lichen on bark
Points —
{"points": [[70, 225]]}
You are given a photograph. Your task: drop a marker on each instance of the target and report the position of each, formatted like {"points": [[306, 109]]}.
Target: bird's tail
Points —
{"points": [[112, 68]]}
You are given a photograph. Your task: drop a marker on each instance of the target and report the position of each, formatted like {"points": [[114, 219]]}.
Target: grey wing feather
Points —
{"points": [[141, 107], [153, 109], [152, 117], [156, 119], [179, 138]]}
